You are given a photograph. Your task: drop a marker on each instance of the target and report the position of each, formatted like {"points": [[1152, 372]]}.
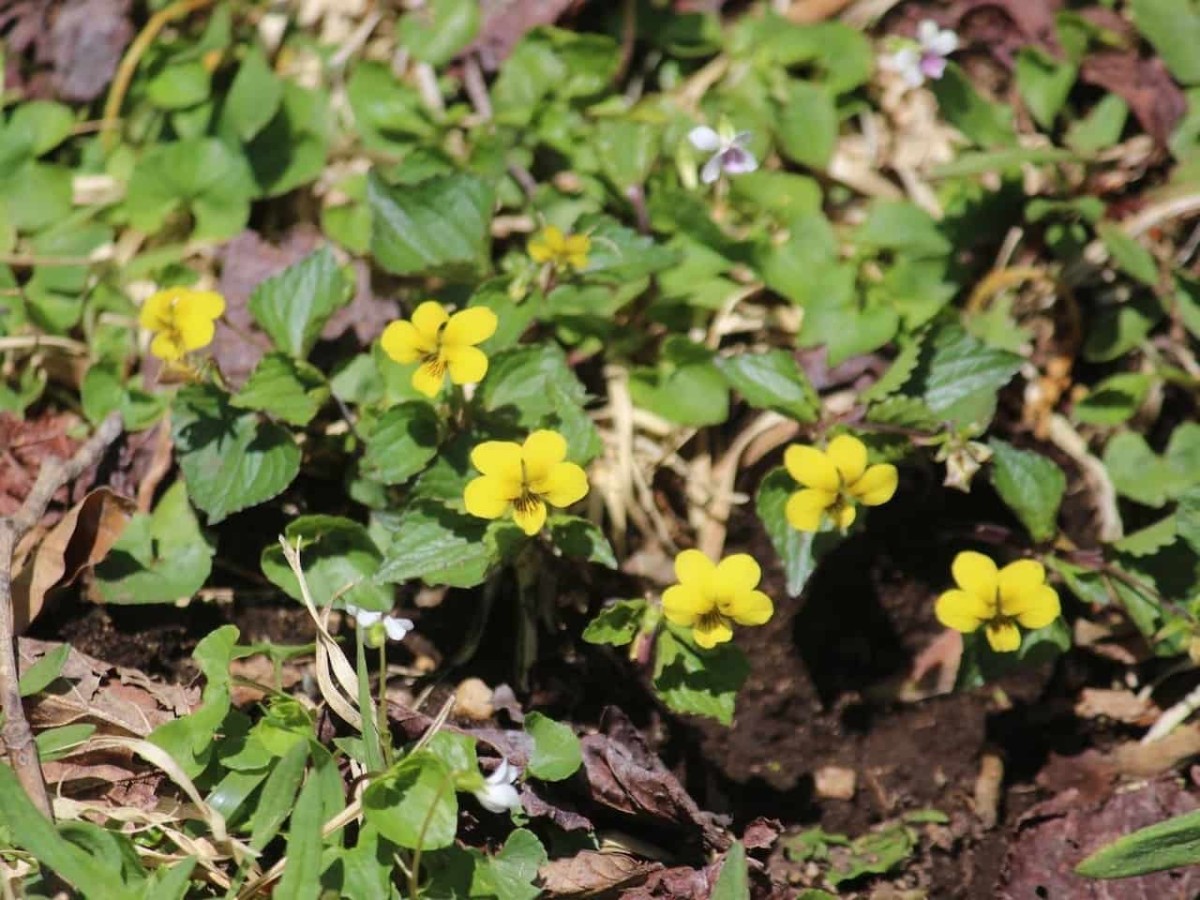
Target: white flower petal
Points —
{"points": [[397, 627], [927, 32], [704, 138], [743, 162], [712, 169], [944, 43], [499, 798], [367, 617], [741, 139], [906, 62]]}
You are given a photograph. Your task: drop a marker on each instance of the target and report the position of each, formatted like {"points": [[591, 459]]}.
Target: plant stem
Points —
{"points": [[382, 726]]}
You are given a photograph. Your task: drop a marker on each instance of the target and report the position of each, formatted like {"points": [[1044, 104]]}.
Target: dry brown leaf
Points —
{"points": [[1119, 705], [591, 873], [24, 443], [81, 539]]}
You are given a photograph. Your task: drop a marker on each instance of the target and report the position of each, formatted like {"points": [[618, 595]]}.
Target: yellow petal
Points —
{"points": [[501, 459], [195, 332], [961, 611], [402, 342], [696, 570], [849, 454], [554, 238], [844, 517], [206, 304], [805, 509], [166, 346], [429, 378], [576, 249], [1004, 637], [158, 312], [683, 604], [811, 468], [469, 327], [736, 575], [710, 631], [976, 574], [539, 250], [530, 515], [750, 608], [876, 486], [428, 319], [1017, 581], [467, 365], [566, 483], [541, 450], [486, 497], [1040, 608]]}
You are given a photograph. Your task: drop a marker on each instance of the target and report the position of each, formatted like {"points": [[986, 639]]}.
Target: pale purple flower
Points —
{"points": [[395, 627], [926, 59], [729, 153], [498, 794]]}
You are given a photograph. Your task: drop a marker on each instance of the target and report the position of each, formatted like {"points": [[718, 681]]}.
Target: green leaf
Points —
{"points": [[1187, 517], [1140, 474], [35, 196], [254, 96], [556, 750], [293, 306], [849, 331], [799, 551], [1044, 83], [1165, 845], [874, 854], [437, 30], [903, 227], [231, 461], [734, 881], [441, 546], [616, 624], [441, 226], [981, 664], [301, 876], [414, 805], [189, 739], [278, 796], [806, 126], [1031, 484], [39, 125], [985, 122], [959, 377], [772, 380], [402, 442], [686, 387], [698, 682], [336, 553], [1004, 161], [627, 151], [179, 85], [1116, 329], [512, 873], [1114, 400], [284, 388], [1131, 257], [1149, 540], [581, 539], [159, 558], [1173, 27], [1101, 128], [291, 150], [42, 673]]}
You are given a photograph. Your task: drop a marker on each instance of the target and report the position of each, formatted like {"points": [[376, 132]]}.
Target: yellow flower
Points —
{"points": [[182, 320], [563, 251], [834, 480], [710, 598], [997, 599], [524, 478], [442, 343]]}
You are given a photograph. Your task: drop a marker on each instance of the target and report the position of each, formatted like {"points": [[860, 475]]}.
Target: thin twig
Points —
{"points": [[54, 473]]}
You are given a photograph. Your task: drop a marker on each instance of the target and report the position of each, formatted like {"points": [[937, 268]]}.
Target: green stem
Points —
{"points": [[385, 730], [414, 876], [370, 731]]}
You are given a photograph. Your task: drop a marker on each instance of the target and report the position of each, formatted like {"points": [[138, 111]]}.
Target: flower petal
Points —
{"points": [[158, 312], [694, 569], [684, 604], [737, 161], [943, 43], [705, 139], [501, 459], [365, 618], [736, 575], [402, 342], [467, 365], [1039, 609], [166, 346], [499, 798], [711, 170], [811, 468], [541, 450], [844, 517], [487, 497], [565, 484], [805, 509], [195, 331], [710, 631], [1018, 581], [469, 327], [976, 574], [961, 611], [539, 251], [428, 319], [849, 455], [205, 304], [1004, 637], [751, 608], [876, 486], [531, 516], [397, 628], [428, 378], [927, 32]]}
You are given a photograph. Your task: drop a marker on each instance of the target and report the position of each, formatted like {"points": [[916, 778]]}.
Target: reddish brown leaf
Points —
{"points": [[505, 22], [24, 443], [86, 43], [590, 873], [1144, 84]]}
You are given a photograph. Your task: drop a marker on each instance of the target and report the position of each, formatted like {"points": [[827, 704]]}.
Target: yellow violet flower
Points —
{"points": [[563, 251], [710, 597], [997, 599], [443, 343], [835, 480], [524, 478], [181, 319]]}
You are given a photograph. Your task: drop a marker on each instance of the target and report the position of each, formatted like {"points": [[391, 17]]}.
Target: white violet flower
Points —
{"points": [[395, 627], [729, 153], [926, 57], [498, 793]]}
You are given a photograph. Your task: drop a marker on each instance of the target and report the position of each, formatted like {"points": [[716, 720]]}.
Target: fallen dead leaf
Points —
{"points": [[1145, 84], [505, 22], [24, 443], [1120, 705], [591, 874], [87, 40]]}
